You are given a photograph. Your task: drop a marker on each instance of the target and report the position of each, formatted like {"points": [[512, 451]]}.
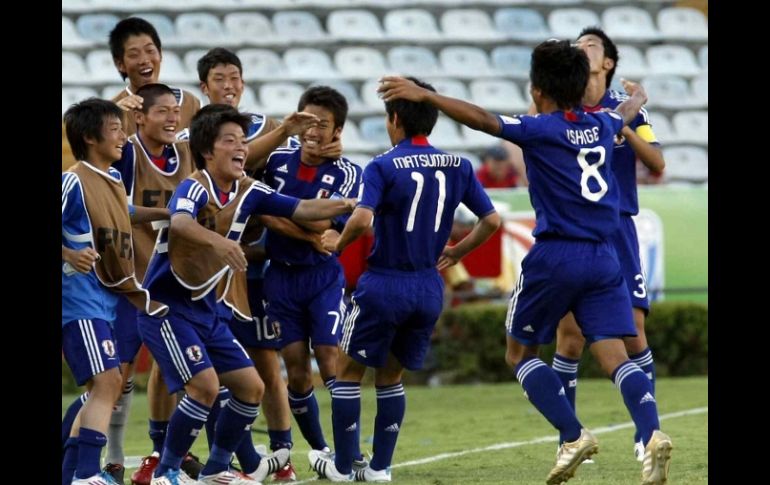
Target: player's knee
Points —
{"points": [[300, 381], [512, 358], [203, 392]]}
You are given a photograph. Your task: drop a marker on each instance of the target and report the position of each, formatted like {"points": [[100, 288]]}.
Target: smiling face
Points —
{"points": [[161, 121], [223, 85], [110, 147], [322, 134], [140, 62], [227, 160]]}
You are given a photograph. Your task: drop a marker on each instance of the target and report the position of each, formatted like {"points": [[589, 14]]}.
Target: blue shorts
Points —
{"points": [[559, 276], [256, 333], [626, 244], [393, 311], [183, 347], [127, 336], [305, 302], [89, 348]]}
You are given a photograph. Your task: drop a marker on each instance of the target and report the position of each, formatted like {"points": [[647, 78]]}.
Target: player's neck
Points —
{"points": [[597, 86], [99, 162], [153, 147], [223, 182], [308, 159]]}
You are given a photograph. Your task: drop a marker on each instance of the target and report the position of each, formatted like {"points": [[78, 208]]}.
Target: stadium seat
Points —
{"points": [[413, 61], [686, 164], [70, 39], [667, 92], [351, 139], [191, 61], [250, 28], [703, 57], [354, 25], [172, 69], [446, 134], [355, 105], [370, 98], [465, 62], [280, 98], [522, 24], [360, 159], [566, 23], [111, 90], [672, 59], [692, 126], [73, 95], [96, 27], [308, 63], [360, 62], [101, 66], [630, 24], [631, 63], [471, 157], [662, 128], [249, 102], [683, 23], [558, 2], [468, 25], [498, 95], [261, 64], [700, 91], [200, 29], [411, 24], [512, 60], [450, 87], [164, 26], [299, 26], [373, 131], [77, 6], [477, 140]]}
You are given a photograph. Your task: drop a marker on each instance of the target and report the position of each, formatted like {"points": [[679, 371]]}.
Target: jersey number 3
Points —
{"points": [[420, 180], [591, 172]]}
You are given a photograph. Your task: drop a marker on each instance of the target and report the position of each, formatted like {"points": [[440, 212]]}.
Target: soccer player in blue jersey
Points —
{"points": [[303, 287], [221, 80], [194, 266], [411, 192], [635, 140], [572, 265], [97, 264]]}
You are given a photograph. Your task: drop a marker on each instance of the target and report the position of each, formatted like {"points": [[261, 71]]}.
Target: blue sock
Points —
{"points": [[69, 417], [158, 435], [346, 414], [644, 360], [637, 394], [247, 456], [567, 369], [69, 460], [304, 407], [329, 383], [391, 405], [211, 423], [280, 439], [234, 420], [90, 444], [185, 425], [544, 390]]}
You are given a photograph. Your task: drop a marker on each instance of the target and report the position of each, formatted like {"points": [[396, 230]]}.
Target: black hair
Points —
{"points": [[214, 57], [150, 94], [560, 71], [415, 118], [328, 98], [85, 120], [125, 29], [610, 49], [205, 126]]}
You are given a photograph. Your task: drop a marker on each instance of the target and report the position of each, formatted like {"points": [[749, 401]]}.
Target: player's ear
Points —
{"points": [[204, 88], [337, 134], [138, 116], [608, 63]]}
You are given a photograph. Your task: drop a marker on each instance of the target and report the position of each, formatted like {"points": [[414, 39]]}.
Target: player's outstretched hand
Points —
{"points": [[332, 149], [448, 258], [329, 240], [634, 88], [83, 260], [130, 102], [231, 253], [396, 87], [316, 241], [299, 122]]}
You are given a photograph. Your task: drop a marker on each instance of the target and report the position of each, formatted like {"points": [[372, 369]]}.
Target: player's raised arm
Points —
{"points": [[395, 87], [293, 124], [629, 108]]}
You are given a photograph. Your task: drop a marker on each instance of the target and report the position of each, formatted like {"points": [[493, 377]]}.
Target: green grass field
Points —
{"points": [[465, 419]]}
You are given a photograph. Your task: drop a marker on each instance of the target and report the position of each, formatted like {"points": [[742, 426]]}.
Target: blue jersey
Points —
{"points": [[83, 296], [414, 190], [288, 175], [257, 124], [189, 198], [623, 156], [568, 157]]}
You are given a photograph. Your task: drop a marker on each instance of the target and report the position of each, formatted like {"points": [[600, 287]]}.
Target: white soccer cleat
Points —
{"points": [[571, 455], [639, 451], [174, 477], [101, 478], [369, 475], [657, 458], [270, 464], [323, 463]]}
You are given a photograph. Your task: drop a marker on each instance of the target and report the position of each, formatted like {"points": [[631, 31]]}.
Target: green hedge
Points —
{"points": [[469, 344]]}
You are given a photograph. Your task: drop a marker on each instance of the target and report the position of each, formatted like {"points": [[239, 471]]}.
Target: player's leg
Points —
{"points": [[569, 349]]}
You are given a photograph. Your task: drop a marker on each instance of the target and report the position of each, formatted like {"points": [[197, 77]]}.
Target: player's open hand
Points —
{"points": [[634, 88], [448, 258], [329, 240], [130, 102], [83, 260], [316, 241], [299, 122], [332, 149], [231, 253], [395, 87]]}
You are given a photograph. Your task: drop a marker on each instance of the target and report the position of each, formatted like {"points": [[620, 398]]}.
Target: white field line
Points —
{"points": [[536, 441]]}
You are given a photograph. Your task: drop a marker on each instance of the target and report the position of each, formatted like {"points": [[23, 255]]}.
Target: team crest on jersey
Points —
{"points": [[109, 348], [276, 329], [508, 120], [323, 194], [327, 179], [619, 139], [194, 353]]}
